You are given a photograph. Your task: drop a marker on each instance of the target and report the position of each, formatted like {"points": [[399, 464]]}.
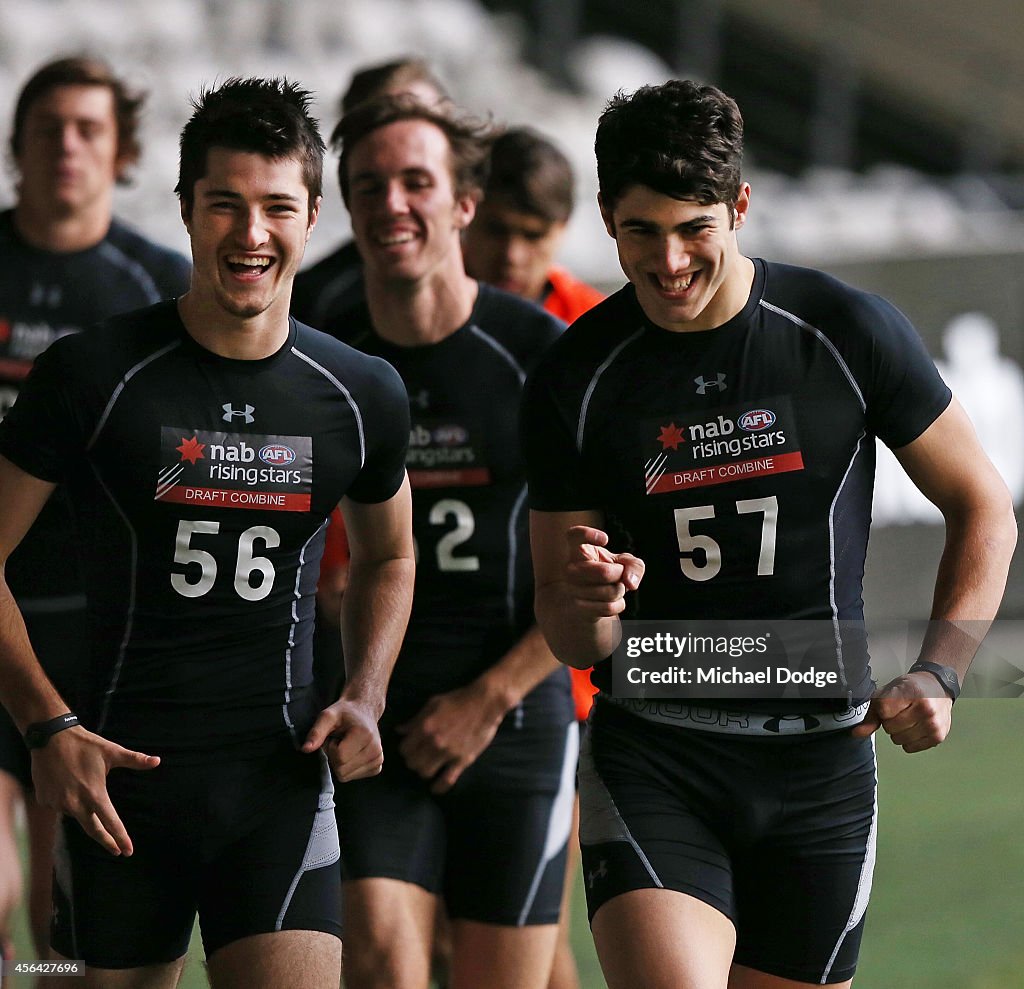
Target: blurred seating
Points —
{"points": [[174, 47]]}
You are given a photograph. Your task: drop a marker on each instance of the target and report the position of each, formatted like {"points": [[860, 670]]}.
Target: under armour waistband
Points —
{"points": [[669, 712]]}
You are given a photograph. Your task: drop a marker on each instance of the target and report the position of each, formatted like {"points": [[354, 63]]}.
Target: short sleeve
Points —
{"points": [[554, 468], [906, 393], [42, 433], [384, 407]]}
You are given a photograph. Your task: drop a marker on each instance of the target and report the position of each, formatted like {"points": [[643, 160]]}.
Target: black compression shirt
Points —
{"points": [[201, 486], [738, 462], [474, 583], [45, 295]]}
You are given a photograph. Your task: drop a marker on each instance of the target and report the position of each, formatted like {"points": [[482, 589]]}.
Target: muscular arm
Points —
{"points": [[70, 771], [951, 469], [453, 729], [374, 614], [580, 585]]}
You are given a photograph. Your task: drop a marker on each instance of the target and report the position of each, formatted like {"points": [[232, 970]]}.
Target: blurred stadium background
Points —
{"points": [[885, 143]]}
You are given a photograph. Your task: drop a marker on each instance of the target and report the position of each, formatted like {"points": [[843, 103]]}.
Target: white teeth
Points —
{"points": [[676, 284], [399, 238], [250, 262]]}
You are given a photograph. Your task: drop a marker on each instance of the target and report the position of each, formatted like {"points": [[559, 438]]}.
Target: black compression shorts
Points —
{"points": [[778, 834], [250, 845], [493, 847]]}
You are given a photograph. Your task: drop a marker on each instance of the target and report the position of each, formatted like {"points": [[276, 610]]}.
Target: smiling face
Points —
{"points": [[682, 257], [406, 215], [67, 157], [249, 223]]}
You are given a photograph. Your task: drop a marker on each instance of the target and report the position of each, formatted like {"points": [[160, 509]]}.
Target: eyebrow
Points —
{"points": [[374, 174], [691, 224], [270, 196]]}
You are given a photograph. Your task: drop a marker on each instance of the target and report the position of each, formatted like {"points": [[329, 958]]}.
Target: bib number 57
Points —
{"points": [[701, 556]]}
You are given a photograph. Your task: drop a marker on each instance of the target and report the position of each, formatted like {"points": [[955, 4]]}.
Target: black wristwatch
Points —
{"points": [[38, 734], [946, 675]]}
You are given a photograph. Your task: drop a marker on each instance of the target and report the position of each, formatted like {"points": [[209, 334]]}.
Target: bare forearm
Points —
{"points": [[970, 583], [25, 690], [374, 616], [522, 668], [576, 640]]}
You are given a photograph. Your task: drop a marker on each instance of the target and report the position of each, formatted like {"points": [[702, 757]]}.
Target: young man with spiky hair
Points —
{"points": [[204, 443], [727, 841], [67, 263], [472, 810]]}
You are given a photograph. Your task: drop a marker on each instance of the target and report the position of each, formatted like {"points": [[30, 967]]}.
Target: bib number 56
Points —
{"points": [[195, 583]]}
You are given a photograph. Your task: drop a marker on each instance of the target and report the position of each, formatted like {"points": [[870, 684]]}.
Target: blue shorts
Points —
{"points": [[251, 845], [776, 833]]}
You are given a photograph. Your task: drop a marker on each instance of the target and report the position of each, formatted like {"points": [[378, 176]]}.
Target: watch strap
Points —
{"points": [[40, 732], [946, 676]]}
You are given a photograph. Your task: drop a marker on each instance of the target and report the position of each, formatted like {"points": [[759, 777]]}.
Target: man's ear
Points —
{"points": [[741, 206], [465, 210], [606, 215], [186, 214], [314, 215]]}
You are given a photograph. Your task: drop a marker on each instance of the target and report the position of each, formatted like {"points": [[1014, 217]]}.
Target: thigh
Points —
{"points": [[507, 844], [276, 869], [675, 940], [501, 957], [281, 960], [389, 934], [802, 891]]}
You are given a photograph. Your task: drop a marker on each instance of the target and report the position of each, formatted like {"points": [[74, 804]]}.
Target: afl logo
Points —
{"points": [[277, 455], [755, 420], [450, 435]]}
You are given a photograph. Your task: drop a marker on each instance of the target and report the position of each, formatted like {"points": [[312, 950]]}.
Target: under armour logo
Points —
{"points": [[45, 295], [791, 723], [230, 413], [599, 873], [703, 385]]}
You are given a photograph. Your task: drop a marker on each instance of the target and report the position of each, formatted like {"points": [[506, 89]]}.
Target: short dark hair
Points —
{"points": [[269, 117], [375, 80], [682, 139], [85, 70], [531, 175], [469, 138]]}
